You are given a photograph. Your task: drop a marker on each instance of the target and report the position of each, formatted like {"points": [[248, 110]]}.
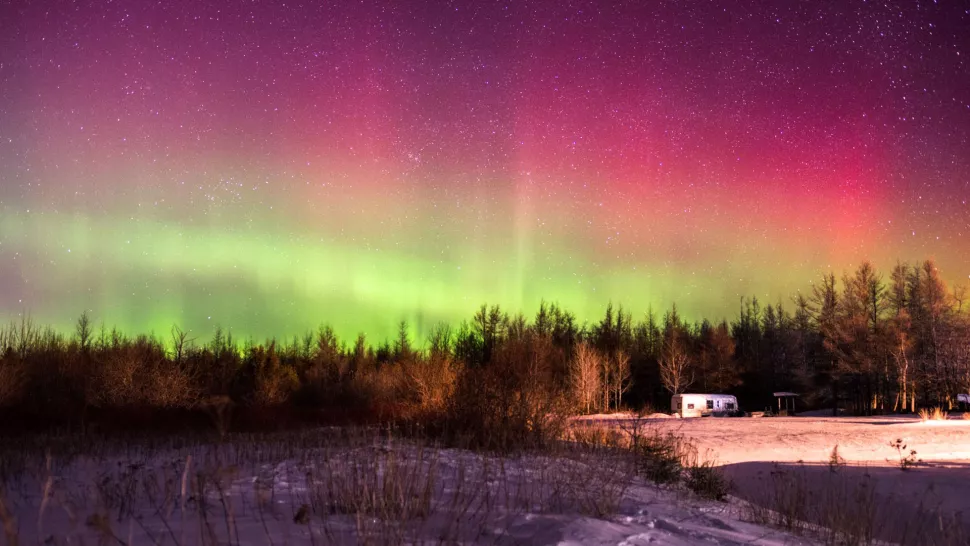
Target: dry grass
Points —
{"points": [[840, 510], [349, 486], [595, 435], [934, 414], [372, 486], [662, 457]]}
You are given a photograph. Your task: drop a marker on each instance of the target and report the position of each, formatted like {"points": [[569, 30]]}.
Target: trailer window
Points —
{"points": [[690, 406], [730, 405], [710, 404]]}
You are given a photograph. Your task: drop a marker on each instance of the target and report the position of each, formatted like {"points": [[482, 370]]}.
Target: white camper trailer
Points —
{"points": [[699, 405]]}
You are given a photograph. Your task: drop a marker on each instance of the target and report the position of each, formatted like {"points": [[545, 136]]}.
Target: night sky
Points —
{"points": [[272, 166]]}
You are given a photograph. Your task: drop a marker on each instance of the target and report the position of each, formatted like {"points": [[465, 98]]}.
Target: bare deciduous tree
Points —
{"points": [[676, 372], [619, 378], [901, 347], [24, 335], [959, 296], [586, 365], [180, 342]]}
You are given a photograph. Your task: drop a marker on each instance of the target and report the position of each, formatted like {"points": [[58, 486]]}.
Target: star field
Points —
{"points": [[270, 166]]}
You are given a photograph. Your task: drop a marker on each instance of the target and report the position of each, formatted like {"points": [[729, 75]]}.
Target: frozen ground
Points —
{"points": [[334, 488], [758, 453], [808, 439], [338, 487]]}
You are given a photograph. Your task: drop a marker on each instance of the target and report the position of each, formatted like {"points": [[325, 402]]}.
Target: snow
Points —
{"points": [[370, 488], [622, 416], [244, 493], [810, 439], [753, 450]]}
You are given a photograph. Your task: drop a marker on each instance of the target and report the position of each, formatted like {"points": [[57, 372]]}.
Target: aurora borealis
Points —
{"points": [[272, 166]]}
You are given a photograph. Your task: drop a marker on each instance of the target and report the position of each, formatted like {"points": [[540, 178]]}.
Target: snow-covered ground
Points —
{"points": [[758, 453], [334, 489], [811, 439], [340, 487]]}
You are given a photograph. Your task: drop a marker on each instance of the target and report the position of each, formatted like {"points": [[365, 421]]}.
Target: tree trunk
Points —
{"points": [[902, 380]]}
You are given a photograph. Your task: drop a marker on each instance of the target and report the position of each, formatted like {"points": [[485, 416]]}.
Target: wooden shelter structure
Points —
{"points": [[786, 402]]}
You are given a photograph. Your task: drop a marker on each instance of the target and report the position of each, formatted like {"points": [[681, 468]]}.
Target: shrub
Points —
{"points": [[660, 457], [266, 381], [509, 403], [907, 459], [432, 382], [219, 410], [381, 390], [706, 480], [595, 436], [12, 380], [172, 385]]}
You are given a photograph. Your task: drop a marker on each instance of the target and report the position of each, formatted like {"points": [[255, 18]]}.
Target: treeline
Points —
{"points": [[866, 343]]}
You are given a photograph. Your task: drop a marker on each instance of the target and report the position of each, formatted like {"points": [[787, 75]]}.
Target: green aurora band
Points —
{"points": [[146, 276], [151, 277]]}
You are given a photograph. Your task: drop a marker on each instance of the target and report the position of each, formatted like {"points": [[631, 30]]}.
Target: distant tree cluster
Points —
{"points": [[864, 343]]}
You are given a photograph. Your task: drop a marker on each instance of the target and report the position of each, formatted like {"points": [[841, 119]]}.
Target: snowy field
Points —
{"points": [[339, 486], [762, 456], [335, 487], [811, 439]]}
